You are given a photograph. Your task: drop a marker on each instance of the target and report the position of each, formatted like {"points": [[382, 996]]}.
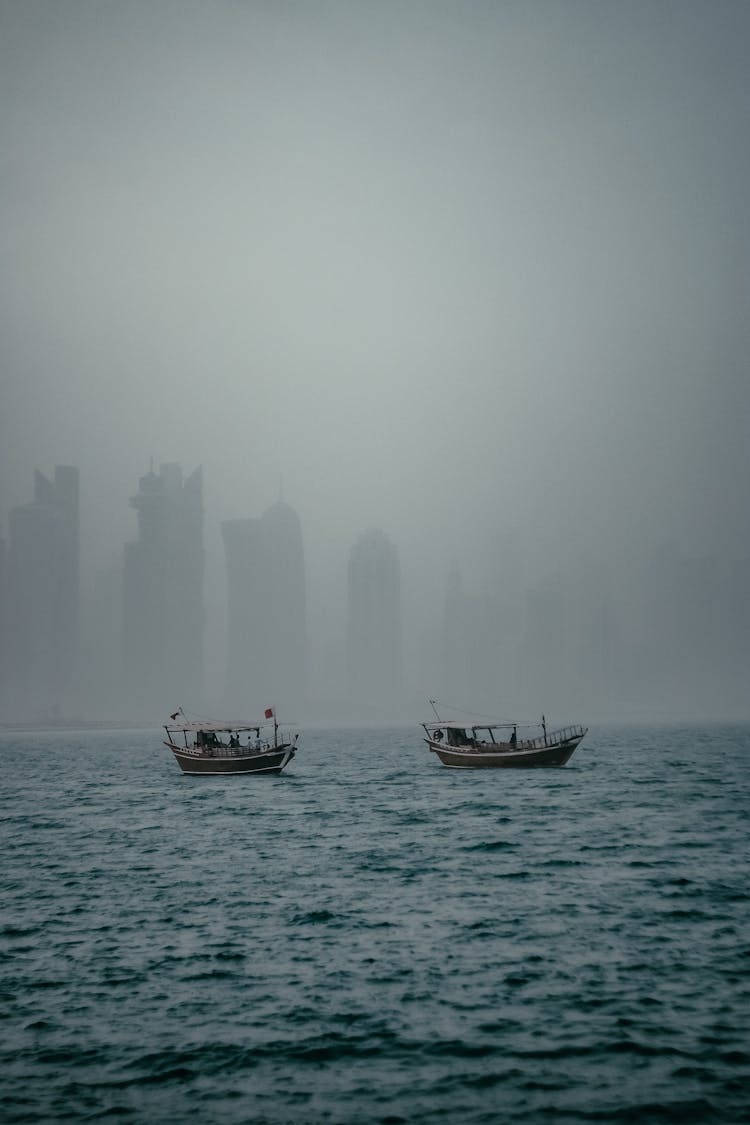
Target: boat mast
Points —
{"points": [[434, 708]]}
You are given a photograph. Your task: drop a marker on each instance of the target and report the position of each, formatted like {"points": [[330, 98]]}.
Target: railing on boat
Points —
{"points": [[223, 751], [552, 739], [544, 741]]}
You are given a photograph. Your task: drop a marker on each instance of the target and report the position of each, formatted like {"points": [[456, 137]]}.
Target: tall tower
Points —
{"points": [[374, 653], [455, 657], [42, 596], [246, 624], [163, 594], [266, 627], [4, 651]]}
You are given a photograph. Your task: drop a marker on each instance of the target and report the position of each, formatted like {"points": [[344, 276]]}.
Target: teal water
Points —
{"points": [[370, 937]]}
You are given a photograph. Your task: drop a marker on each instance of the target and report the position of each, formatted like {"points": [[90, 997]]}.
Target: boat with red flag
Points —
{"points": [[202, 746]]}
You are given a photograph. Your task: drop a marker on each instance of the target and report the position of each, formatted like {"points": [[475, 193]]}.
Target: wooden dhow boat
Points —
{"points": [[492, 745], [206, 747]]}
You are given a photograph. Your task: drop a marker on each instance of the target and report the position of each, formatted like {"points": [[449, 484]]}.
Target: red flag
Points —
{"points": [[269, 712]]}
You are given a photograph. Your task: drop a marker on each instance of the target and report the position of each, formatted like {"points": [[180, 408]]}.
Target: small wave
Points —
{"points": [[499, 1027], [335, 1046], [488, 1081], [735, 1058], [519, 980], [702, 1073], [163, 1066], [458, 1048], [700, 1110], [211, 974], [677, 915], [645, 1050], [315, 918], [11, 931], [482, 929]]}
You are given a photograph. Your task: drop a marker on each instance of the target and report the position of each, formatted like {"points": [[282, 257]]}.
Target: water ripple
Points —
{"points": [[391, 943]]}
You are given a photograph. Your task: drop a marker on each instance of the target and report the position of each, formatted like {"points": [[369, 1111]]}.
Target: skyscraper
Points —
{"points": [[455, 640], [4, 668], [473, 667], [246, 626], [266, 627], [374, 652], [41, 614], [163, 616]]}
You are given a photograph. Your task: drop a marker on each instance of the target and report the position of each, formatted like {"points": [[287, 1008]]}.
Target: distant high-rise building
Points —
{"points": [[163, 616], [4, 686], [546, 670], [455, 640], [474, 629], [41, 613], [246, 629], [101, 642], [266, 627], [374, 641]]}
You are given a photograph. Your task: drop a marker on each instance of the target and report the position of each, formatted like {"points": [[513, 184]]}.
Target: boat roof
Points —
{"points": [[459, 724], [217, 728]]}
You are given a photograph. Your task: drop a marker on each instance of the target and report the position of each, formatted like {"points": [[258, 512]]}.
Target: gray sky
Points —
{"points": [[442, 267]]}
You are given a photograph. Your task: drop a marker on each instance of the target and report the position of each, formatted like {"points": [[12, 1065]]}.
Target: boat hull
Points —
{"points": [[535, 757], [195, 763]]}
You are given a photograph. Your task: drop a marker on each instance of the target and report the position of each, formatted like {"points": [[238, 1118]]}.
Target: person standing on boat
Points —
{"points": [[513, 738]]}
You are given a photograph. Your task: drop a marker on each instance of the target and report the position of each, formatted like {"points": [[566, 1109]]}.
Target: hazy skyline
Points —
{"points": [[457, 271]]}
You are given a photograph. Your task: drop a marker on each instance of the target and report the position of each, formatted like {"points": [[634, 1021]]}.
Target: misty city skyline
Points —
{"points": [[476, 277], [673, 641]]}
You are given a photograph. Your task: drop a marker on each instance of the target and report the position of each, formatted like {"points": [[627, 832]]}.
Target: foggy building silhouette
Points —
{"points": [[546, 672], [455, 659], [4, 651], [266, 622], [686, 634], [42, 588], [374, 638], [735, 615], [476, 668], [163, 615], [102, 642]]}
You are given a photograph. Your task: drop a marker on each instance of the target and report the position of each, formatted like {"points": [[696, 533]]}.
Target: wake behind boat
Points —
{"points": [[221, 748], [481, 745]]}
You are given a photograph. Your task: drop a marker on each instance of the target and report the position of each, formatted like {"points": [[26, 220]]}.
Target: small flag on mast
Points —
{"points": [[269, 712], [173, 717]]}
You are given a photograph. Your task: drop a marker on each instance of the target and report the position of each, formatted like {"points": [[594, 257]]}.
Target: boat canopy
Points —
{"points": [[457, 724], [220, 728]]}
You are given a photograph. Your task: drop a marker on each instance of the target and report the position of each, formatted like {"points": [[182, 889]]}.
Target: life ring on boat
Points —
{"points": [[437, 735]]}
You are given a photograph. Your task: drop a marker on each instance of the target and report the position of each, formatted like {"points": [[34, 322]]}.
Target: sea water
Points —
{"points": [[371, 937]]}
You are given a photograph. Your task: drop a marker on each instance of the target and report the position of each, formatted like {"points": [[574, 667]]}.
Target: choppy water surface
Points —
{"points": [[373, 938]]}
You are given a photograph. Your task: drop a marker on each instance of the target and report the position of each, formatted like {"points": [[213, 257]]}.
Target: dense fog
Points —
{"points": [[441, 308]]}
